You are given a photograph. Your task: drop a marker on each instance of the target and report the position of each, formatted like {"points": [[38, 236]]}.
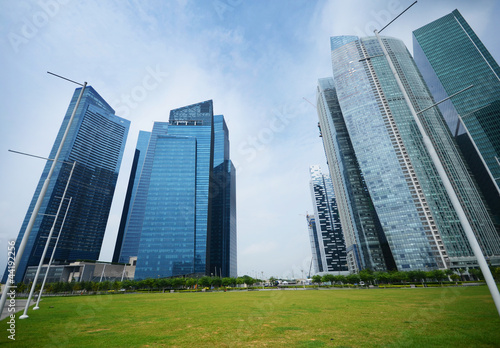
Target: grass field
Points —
{"points": [[425, 317]]}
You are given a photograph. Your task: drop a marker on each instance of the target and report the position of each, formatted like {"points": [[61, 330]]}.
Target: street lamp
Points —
{"points": [[25, 315], [39, 201], [52, 256]]}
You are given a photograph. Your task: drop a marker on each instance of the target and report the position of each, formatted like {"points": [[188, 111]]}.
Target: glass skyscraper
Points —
{"points": [[130, 248], [222, 259], [412, 206], [366, 245], [96, 142], [171, 227], [451, 57], [328, 246], [315, 246]]}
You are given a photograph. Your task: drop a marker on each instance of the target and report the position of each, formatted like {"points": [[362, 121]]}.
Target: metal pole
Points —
{"points": [[52, 256], [38, 204], [40, 264], [123, 273], [447, 184], [100, 280]]}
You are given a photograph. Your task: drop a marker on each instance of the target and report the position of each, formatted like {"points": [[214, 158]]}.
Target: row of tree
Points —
{"points": [[160, 284], [369, 277]]}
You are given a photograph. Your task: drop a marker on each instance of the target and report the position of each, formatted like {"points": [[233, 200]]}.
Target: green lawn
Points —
{"points": [[422, 317]]}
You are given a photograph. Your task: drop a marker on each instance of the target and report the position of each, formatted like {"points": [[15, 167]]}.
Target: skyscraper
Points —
{"points": [[366, 244], [315, 246], [171, 227], [222, 259], [327, 241], [415, 213], [96, 142], [451, 57], [130, 247]]}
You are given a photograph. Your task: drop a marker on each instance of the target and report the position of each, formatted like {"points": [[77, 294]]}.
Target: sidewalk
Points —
{"points": [[19, 307]]}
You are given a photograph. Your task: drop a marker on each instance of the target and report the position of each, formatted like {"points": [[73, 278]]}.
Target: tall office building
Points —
{"points": [[171, 227], [315, 246], [328, 244], [222, 259], [412, 206], [451, 57], [366, 244], [130, 247], [96, 142]]}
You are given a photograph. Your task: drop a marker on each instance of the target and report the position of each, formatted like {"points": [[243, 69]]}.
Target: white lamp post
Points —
{"points": [[25, 315], [38, 204], [52, 256]]}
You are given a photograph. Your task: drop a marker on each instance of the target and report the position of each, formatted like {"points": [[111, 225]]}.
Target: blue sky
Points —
{"points": [[257, 60]]}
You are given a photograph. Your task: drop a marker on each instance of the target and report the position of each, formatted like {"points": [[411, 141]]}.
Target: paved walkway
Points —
{"points": [[20, 304]]}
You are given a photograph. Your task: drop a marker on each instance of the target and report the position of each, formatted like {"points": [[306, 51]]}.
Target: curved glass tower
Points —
{"points": [[96, 141], [452, 57], [416, 216]]}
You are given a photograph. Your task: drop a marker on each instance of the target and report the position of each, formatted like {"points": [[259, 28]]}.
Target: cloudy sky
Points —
{"points": [[258, 60]]}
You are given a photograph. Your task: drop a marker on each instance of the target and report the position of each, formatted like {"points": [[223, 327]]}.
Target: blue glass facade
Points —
{"points": [[183, 217], [315, 247], [133, 184], [96, 141], [331, 251], [451, 57], [366, 244], [417, 218], [222, 238], [132, 235]]}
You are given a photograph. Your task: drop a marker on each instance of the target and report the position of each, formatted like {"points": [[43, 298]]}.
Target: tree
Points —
{"points": [[328, 278], [228, 281], [382, 277], [421, 275], [476, 273], [439, 275], [496, 273], [316, 279], [21, 287], [249, 281], [178, 282], [190, 282], [448, 272], [342, 279], [204, 282], [353, 278], [164, 283], [366, 275], [216, 282], [412, 276]]}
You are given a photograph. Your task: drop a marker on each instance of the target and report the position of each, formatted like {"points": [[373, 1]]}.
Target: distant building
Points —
{"points": [[182, 215], [451, 57], [96, 142], [315, 244], [327, 240], [83, 271]]}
